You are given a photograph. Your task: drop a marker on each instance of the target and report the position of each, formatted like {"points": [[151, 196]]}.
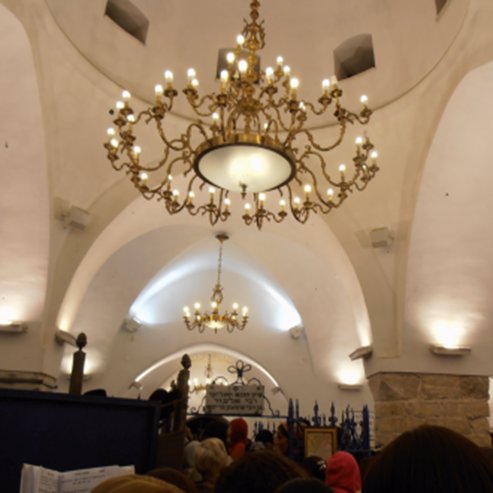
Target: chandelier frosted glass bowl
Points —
{"points": [[249, 142]]}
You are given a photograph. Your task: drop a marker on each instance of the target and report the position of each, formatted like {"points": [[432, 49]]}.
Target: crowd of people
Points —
{"points": [[224, 460]]}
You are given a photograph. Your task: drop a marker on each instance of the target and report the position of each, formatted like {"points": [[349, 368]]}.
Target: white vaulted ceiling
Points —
{"points": [[64, 65]]}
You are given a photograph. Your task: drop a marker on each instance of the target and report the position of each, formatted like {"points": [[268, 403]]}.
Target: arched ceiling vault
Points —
{"points": [[432, 135]]}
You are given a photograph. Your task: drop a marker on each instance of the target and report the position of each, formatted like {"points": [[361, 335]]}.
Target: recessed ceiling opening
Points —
{"points": [[353, 56], [440, 4], [129, 18]]}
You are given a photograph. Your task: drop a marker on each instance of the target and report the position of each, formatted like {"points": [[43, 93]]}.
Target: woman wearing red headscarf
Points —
{"points": [[237, 438], [342, 473]]}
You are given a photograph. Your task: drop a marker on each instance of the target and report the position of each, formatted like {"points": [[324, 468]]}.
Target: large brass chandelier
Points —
{"points": [[214, 319], [249, 140]]}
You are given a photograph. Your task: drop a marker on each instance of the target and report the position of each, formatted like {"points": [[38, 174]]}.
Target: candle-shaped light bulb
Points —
{"points": [[120, 105], [195, 83], [301, 106], [333, 81], [213, 305], [325, 86], [126, 95], [280, 61], [196, 306], [330, 194], [191, 195], [296, 202], [212, 191], [240, 39], [168, 77], [215, 117], [110, 132], [261, 200], [374, 155], [359, 141], [342, 170], [307, 188], [224, 76], [191, 74], [245, 311], [230, 57], [247, 207], [242, 66], [114, 142], [364, 99], [143, 176], [170, 178], [136, 150], [158, 90], [227, 203], [294, 83], [131, 118], [186, 310], [282, 204], [176, 193], [235, 306], [286, 70], [269, 74]]}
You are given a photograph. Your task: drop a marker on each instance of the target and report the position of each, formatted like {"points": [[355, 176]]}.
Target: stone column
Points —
{"points": [[406, 400]]}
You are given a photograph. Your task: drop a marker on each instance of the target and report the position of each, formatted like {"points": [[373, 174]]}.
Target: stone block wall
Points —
{"points": [[406, 400]]}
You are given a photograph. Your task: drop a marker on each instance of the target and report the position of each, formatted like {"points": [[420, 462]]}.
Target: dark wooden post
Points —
{"points": [[78, 366]]}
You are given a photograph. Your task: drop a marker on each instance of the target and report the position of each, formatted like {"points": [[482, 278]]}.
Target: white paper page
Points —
{"points": [[47, 481], [28, 478]]}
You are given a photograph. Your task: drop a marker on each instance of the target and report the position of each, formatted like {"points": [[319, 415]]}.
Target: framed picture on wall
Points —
{"points": [[321, 442]]}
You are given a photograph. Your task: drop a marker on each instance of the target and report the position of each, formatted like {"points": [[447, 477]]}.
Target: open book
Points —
{"points": [[37, 479]]}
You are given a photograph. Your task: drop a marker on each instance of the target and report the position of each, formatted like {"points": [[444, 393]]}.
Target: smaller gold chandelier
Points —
{"points": [[213, 319], [195, 386]]}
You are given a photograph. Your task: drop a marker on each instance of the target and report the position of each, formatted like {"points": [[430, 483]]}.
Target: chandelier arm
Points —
{"points": [[309, 136], [363, 117], [309, 204], [178, 159], [215, 213], [271, 124], [299, 213], [173, 206], [323, 107], [231, 122], [296, 128], [279, 120], [211, 108], [177, 144], [342, 184], [280, 103]]}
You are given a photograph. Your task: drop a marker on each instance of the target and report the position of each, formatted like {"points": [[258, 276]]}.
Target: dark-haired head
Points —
{"points": [[173, 476], [262, 471], [314, 466], [304, 485], [429, 459]]}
